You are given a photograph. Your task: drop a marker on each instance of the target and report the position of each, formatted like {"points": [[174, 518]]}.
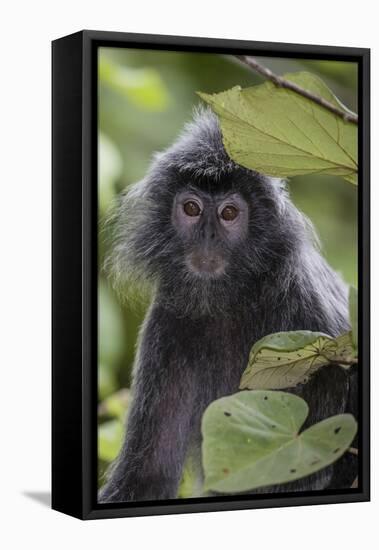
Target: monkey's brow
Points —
{"points": [[219, 195], [192, 188]]}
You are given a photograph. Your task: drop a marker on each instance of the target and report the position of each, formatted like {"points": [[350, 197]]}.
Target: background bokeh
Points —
{"points": [[144, 99]]}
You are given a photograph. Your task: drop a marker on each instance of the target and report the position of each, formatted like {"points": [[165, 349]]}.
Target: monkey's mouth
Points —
{"points": [[206, 265]]}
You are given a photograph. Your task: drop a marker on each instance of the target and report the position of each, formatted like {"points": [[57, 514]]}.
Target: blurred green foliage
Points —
{"points": [[145, 97]]}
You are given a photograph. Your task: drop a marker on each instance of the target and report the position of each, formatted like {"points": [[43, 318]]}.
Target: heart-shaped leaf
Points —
{"points": [[285, 359], [276, 131], [251, 439]]}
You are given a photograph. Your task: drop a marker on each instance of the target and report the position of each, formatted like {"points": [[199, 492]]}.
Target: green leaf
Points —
{"points": [[251, 439], [353, 308], [189, 485], [110, 439], [141, 86], [352, 178], [344, 353], [280, 133], [285, 359]]}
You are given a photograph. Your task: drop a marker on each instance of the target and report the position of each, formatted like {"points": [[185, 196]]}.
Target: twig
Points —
{"points": [[283, 83], [353, 451], [341, 361]]}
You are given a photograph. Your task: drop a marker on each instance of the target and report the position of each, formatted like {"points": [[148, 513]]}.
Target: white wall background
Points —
{"points": [[27, 29]]}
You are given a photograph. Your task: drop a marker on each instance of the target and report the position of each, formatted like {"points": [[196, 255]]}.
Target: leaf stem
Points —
{"points": [[344, 362], [283, 83], [340, 361]]}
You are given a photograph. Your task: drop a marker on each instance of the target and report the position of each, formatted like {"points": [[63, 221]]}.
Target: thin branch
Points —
{"points": [[283, 83], [341, 361]]}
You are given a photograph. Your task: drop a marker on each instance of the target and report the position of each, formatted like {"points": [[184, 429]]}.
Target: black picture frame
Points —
{"points": [[74, 332]]}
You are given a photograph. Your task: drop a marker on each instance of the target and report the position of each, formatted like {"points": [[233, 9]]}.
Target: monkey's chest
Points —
{"points": [[216, 355]]}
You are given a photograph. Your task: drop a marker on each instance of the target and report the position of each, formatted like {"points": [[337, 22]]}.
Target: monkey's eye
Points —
{"points": [[191, 208], [229, 213]]}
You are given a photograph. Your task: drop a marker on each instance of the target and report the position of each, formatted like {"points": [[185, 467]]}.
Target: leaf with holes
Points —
{"points": [[251, 439], [285, 359], [277, 132], [344, 353]]}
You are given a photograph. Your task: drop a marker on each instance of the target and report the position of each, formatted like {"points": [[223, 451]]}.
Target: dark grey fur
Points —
{"points": [[196, 337]]}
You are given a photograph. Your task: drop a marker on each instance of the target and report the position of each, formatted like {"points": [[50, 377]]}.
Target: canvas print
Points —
{"points": [[227, 275]]}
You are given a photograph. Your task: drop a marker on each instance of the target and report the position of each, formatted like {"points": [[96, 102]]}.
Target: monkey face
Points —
{"points": [[200, 230], [210, 226]]}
